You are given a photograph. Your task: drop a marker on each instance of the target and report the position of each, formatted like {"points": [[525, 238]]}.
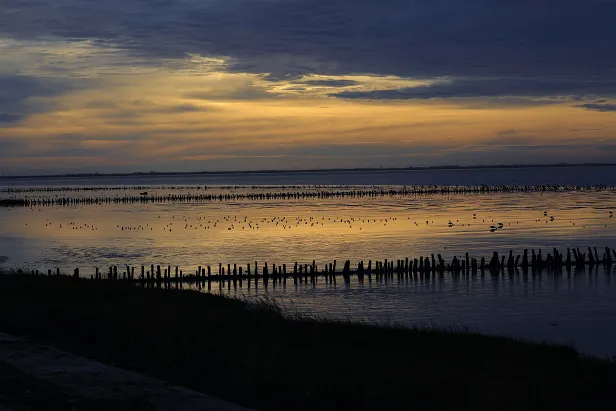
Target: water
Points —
{"points": [[511, 176], [579, 309]]}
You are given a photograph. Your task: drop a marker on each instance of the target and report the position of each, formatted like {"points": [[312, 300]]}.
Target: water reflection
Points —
{"points": [[577, 307], [288, 231]]}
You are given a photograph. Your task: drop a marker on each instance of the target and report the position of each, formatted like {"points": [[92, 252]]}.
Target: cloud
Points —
{"points": [[577, 130], [24, 95], [9, 118], [474, 48], [407, 38], [134, 82], [330, 83], [604, 108], [489, 88]]}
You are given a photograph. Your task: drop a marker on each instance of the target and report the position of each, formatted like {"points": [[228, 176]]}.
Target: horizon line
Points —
{"points": [[293, 171]]}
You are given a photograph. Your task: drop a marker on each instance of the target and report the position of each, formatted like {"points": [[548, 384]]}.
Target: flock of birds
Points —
{"points": [[231, 223]]}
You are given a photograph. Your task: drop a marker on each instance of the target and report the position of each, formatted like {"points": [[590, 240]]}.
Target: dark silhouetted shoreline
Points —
{"points": [[300, 171], [259, 356]]}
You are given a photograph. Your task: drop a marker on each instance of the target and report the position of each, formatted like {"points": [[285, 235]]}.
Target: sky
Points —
{"points": [[191, 85]]}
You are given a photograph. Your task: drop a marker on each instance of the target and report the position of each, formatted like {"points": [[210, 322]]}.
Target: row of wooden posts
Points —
{"points": [[412, 188], [286, 195], [553, 262]]}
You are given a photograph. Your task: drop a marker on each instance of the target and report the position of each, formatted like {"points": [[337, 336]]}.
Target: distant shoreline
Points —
{"points": [[306, 171]]}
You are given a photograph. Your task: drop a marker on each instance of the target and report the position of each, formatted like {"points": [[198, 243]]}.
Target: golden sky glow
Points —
{"points": [[111, 112]]}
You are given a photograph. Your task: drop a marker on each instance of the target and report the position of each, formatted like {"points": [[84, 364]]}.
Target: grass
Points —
{"points": [[259, 356]]}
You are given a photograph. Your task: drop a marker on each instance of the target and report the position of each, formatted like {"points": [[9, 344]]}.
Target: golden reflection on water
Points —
{"points": [[287, 231]]}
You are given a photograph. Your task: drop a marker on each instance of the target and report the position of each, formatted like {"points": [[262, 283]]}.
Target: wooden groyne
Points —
{"points": [[81, 189], [535, 263], [145, 198]]}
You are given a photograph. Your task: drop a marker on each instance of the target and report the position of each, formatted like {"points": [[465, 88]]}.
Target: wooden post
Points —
{"points": [[591, 258], [284, 274], [234, 276]]}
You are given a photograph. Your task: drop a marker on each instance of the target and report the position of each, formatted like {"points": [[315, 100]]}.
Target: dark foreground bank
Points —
{"points": [[258, 358]]}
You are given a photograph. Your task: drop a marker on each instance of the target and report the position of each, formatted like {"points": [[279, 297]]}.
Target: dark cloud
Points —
{"points": [[283, 75], [534, 41], [330, 83], [138, 110], [247, 92], [491, 87], [9, 118], [16, 92], [578, 130], [598, 107], [99, 105], [189, 108]]}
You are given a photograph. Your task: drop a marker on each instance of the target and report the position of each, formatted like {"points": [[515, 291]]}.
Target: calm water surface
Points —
{"points": [[578, 309]]}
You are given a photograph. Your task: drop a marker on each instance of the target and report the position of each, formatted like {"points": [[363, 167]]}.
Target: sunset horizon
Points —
{"points": [[307, 205], [246, 84]]}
